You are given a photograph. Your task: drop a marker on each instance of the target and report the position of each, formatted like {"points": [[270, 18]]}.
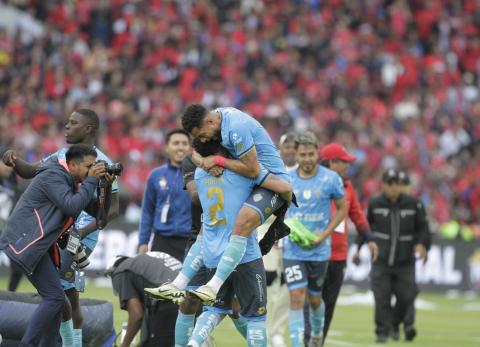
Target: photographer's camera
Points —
{"points": [[113, 169]]}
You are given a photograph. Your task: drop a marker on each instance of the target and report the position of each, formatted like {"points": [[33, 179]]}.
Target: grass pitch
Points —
{"points": [[441, 321]]}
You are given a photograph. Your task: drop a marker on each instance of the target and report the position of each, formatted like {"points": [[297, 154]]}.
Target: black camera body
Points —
{"points": [[113, 169]]}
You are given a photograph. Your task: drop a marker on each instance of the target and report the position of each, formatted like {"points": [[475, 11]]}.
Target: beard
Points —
{"points": [[217, 136]]}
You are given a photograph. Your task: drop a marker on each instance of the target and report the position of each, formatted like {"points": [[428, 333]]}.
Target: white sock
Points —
{"points": [[193, 343], [215, 283], [181, 281]]}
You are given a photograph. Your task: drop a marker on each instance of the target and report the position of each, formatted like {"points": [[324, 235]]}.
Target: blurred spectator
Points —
{"points": [[395, 81]]}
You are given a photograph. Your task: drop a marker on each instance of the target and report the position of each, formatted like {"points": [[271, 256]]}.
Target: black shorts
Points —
{"points": [[174, 245], [302, 273], [264, 201], [248, 284]]}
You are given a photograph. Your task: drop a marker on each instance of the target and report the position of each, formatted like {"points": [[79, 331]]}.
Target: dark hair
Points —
{"points": [[207, 148], [91, 117], [325, 163], [79, 151], [176, 131], [306, 138], [193, 117]]}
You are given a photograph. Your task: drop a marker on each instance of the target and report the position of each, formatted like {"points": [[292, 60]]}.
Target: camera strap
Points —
{"points": [[104, 193]]}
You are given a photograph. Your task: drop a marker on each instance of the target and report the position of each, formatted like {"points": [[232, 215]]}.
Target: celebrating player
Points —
{"points": [[305, 263]]}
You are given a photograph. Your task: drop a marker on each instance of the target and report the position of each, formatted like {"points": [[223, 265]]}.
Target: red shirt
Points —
{"points": [[355, 213]]}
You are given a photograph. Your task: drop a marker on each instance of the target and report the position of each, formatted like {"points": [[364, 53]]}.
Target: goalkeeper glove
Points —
{"points": [[299, 233]]}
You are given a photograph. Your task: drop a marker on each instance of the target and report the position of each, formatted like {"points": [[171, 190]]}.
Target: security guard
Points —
{"points": [[400, 230]]}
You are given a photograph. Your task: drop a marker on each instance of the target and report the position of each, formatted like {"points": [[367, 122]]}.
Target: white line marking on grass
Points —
{"points": [[338, 342], [335, 333], [345, 343], [471, 307], [366, 299]]}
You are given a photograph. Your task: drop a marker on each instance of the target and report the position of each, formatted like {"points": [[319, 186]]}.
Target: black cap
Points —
{"points": [[403, 177], [390, 175]]}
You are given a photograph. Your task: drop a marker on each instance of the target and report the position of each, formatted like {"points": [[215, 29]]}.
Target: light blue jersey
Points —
{"points": [[221, 198], [314, 197], [240, 132], [84, 218]]}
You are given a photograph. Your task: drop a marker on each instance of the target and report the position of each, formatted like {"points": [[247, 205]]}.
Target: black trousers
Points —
{"points": [[158, 325], [175, 246], [387, 281], [408, 319], [331, 289], [43, 328], [15, 277]]}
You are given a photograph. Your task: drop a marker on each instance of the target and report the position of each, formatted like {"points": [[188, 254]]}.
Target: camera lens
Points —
{"points": [[115, 169]]}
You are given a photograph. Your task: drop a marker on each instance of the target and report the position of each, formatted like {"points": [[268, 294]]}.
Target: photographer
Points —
{"points": [[82, 127], [45, 211]]}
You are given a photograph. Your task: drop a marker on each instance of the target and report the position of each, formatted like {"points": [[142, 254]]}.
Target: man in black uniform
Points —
{"points": [[409, 316], [400, 229], [157, 319]]}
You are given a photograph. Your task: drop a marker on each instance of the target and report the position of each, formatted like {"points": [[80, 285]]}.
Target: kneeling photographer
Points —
{"points": [[44, 212]]}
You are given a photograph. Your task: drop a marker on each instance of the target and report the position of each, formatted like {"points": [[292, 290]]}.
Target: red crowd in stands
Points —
{"points": [[395, 81]]}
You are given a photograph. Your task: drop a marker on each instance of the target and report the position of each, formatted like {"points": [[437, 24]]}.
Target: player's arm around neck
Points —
{"points": [[247, 165]]}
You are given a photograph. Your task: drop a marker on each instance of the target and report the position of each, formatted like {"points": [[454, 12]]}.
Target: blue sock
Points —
{"points": [[257, 334], [66, 332], [207, 321], [296, 327], [77, 337], [231, 257], [191, 264], [241, 325], [183, 328], [194, 259], [317, 318]]}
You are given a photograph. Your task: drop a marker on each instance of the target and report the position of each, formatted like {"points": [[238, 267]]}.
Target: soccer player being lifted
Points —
{"points": [[251, 148], [248, 282]]}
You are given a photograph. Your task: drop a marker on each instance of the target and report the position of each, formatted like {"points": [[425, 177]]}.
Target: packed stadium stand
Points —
{"points": [[396, 82]]}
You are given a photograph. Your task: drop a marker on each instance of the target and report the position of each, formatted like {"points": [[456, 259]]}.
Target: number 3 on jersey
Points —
{"points": [[216, 210]]}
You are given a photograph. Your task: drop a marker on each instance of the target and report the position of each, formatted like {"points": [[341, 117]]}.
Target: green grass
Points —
{"points": [[452, 323]]}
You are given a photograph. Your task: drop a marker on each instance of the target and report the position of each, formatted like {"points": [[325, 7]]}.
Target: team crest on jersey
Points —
{"points": [[68, 275], [267, 210], [163, 183], [307, 194], [257, 197]]}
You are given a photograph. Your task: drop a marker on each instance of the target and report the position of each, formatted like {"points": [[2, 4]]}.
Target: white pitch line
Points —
{"points": [[345, 343]]}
